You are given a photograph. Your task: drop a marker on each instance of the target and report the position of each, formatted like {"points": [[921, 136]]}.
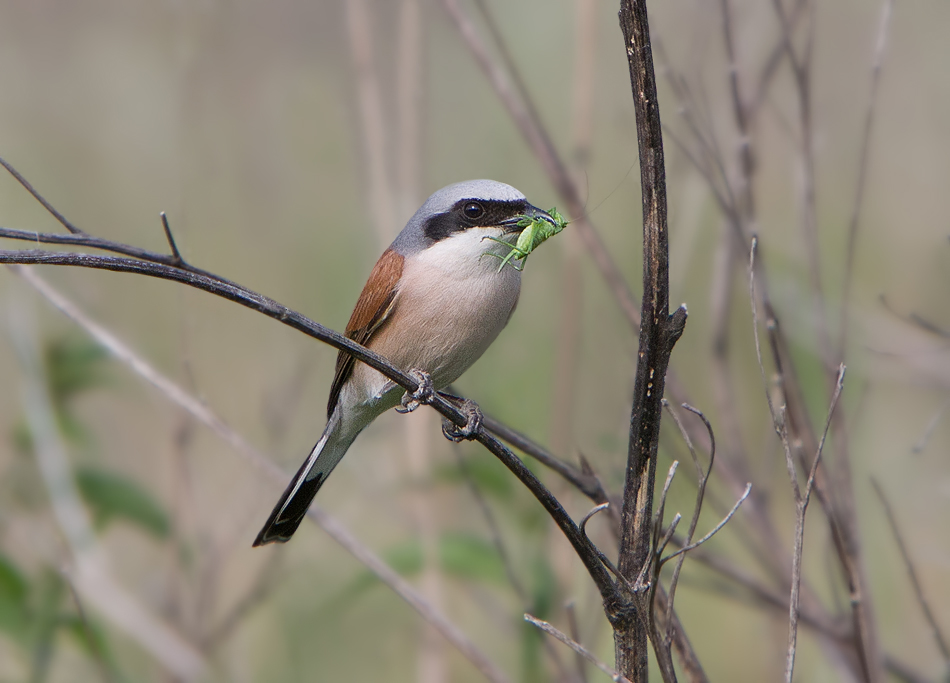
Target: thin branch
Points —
{"points": [[931, 427], [802, 504], [659, 332], [264, 585], [494, 530], [594, 511], [938, 636], [577, 647], [38, 197], [271, 308], [203, 414], [372, 127], [589, 555], [876, 63], [661, 509], [700, 496], [177, 260], [571, 611], [540, 143], [587, 484], [715, 529]]}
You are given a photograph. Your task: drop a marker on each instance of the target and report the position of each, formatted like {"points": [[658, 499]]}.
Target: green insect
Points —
{"points": [[534, 232]]}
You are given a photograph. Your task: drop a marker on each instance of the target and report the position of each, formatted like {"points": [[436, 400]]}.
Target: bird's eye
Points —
{"points": [[473, 210]]}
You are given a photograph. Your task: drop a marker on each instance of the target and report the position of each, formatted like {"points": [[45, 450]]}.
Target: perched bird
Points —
{"points": [[434, 302]]}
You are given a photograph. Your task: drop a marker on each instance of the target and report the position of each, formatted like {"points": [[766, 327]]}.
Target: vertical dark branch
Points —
{"points": [[658, 332]]}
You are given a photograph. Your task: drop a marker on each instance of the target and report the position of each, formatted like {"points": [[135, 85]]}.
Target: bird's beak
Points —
{"points": [[517, 224]]}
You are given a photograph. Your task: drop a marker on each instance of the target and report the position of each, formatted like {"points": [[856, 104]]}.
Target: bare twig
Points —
{"points": [[38, 197], [802, 504], [494, 530], [177, 260], [931, 427], [594, 511], [263, 586], [938, 636], [371, 119], [571, 611], [876, 63], [577, 647], [588, 484], [715, 529], [700, 495]]}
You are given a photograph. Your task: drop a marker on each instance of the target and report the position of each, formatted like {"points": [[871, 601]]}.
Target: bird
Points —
{"points": [[434, 302]]}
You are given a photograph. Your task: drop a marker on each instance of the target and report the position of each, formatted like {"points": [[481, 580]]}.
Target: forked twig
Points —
{"points": [[38, 197], [715, 530]]}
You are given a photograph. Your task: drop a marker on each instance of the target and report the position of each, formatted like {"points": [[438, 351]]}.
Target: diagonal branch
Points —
{"points": [[200, 411], [218, 286]]}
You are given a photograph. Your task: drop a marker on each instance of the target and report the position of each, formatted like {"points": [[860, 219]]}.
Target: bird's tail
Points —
{"points": [[292, 506]]}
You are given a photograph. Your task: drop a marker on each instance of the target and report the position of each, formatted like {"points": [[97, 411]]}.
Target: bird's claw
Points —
{"points": [[421, 396], [473, 425]]}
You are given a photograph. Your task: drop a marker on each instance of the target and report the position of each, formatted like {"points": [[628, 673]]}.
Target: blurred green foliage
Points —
{"points": [[112, 496]]}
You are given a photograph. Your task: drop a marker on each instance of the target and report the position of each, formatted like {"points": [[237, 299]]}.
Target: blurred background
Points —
{"points": [[288, 143]]}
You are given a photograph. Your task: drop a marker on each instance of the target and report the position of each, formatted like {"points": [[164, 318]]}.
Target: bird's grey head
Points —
{"points": [[470, 204]]}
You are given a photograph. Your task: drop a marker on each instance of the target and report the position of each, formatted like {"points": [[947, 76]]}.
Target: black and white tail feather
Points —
{"points": [[293, 504]]}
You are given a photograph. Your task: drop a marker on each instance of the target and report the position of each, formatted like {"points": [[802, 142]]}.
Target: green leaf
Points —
{"points": [[13, 597], [544, 588], [111, 496], [469, 557], [73, 365]]}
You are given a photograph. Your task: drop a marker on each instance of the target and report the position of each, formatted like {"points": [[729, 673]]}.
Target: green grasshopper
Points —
{"points": [[534, 232]]}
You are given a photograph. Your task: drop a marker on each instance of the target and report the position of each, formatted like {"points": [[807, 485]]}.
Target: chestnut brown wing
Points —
{"points": [[374, 306]]}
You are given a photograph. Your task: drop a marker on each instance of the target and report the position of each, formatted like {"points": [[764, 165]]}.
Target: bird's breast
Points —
{"points": [[452, 303]]}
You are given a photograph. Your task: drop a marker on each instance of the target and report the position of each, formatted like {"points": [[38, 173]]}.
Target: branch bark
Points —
{"points": [[658, 333]]}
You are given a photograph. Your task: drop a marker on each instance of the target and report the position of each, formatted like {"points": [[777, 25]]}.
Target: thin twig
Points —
{"points": [[931, 427], [372, 127], [715, 529], [587, 484], [876, 63], [700, 496], [494, 530], [540, 143], [802, 504], [577, 647], [571, 610], [938, 636], [177, 260], [38, 197]]}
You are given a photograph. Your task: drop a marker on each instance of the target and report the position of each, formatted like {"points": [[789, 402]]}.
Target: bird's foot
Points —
{"points": [[472, 426], [421, 396]]}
